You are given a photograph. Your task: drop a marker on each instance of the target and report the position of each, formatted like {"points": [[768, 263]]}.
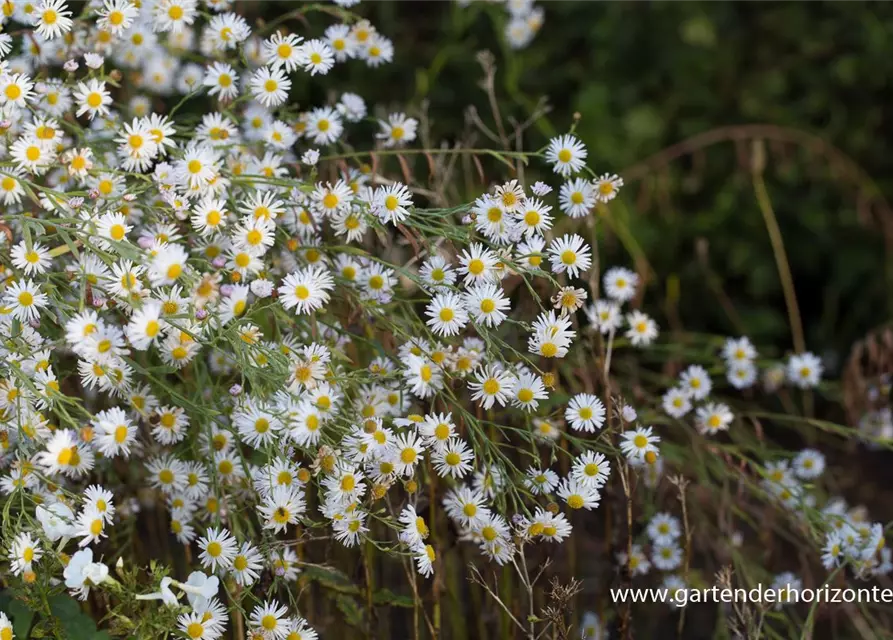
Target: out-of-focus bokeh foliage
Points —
{"points": [[644, 77]]}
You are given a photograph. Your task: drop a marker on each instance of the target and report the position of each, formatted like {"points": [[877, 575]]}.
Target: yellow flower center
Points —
{"points": [[65, 456], [330, 201]]}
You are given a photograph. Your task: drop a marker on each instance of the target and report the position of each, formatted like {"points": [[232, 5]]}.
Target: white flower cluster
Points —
{"points": [[208, 308]]}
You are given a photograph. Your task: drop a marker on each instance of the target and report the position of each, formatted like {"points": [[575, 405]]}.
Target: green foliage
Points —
{"points": [[66, 620], [77, 625], [21, 616]]}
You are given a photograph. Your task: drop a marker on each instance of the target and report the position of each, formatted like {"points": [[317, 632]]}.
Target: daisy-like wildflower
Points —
{"points": [[221, 80], [666, 556], [324, 126], [270, 618], [34, 259], [569, 254], [738, 350], [270, 87], [713, 417], [578, 495], [92, 98], [620, 284], [639, 443], [696, 382], [117, 16], [541, 481], [487, 304], [607, 186], [317, 57], [52, 18], [478, 263], [218, 549], [741, 375], [591, 469], [577, 198], [567, 154], [454, 459], [283, 50], [392, 203], [491, 386], [604, 316], [23, 553], [398, 130], [282, 507], [642, 329], [447, 314], [585, 412], [528, 391], [804, 370], [636, 561], [808, 464], [15, 90], [676, 402], [306, 290], [663, 528]]}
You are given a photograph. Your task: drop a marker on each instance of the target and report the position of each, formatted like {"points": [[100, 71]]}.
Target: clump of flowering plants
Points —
{"points": [[256, 379]]}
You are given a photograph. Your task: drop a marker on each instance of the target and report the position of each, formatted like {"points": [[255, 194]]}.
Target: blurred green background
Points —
{"points": [[646, 76]]}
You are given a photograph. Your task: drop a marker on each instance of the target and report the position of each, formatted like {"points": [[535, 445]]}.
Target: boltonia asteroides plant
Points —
{"points": [[244, 351]]}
